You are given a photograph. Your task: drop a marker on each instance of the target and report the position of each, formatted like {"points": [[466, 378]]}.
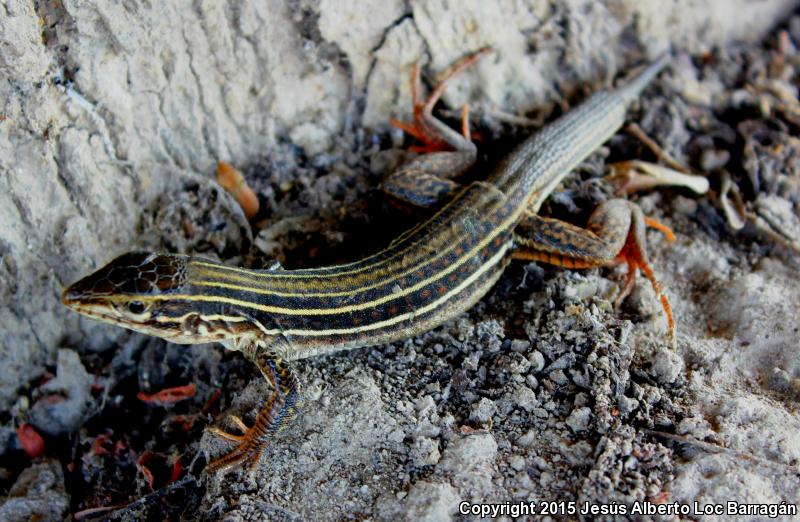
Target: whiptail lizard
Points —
{"points": [[428, 275]]}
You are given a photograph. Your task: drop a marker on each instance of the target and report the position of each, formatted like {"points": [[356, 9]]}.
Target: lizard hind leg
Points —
{"points": [[615, 234], [426, 181], [281, 407], [432, 132], [634, 253]]}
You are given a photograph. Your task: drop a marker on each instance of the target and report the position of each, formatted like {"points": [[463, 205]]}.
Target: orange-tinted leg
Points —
{"points": [[615, 234], [661, 227], [426, 180], [434, 134], [281, 407]]}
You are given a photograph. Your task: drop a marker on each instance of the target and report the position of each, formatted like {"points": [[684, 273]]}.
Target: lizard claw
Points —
{"points": [[249, 447], [231, 437], [247, 451]]}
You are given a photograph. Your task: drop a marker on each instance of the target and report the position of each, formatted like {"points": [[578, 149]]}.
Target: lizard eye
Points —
{"points": [[136, 307]]}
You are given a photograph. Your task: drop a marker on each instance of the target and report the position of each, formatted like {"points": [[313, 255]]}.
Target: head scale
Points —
{"points": [[129, 291]]}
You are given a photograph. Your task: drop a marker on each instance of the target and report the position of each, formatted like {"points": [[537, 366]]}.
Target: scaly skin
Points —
{"points": [[428, 275]]}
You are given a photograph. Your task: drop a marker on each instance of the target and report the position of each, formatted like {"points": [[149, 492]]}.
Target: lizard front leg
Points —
{"points": [[426, 181], [280, 408], [615, 234]]}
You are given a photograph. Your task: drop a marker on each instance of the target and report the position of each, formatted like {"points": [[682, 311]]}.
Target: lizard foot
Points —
{"points": [[427, 181], [251, 444], [231, 437], [422, 127], [280, 408], [630, 277], [634, 254]]}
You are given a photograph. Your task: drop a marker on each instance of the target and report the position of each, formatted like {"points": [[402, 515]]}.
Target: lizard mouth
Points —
{"points": [[106, 313], [94, 311], [109, 316], [77, 301]]}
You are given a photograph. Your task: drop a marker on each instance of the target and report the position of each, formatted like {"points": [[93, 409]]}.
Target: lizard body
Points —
{"points": [[428, 275]]}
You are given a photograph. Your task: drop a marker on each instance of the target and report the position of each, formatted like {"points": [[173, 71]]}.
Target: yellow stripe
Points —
{"points": [[309, 272], [344, 331], [399, 318], [255, 290], [351, 308]]}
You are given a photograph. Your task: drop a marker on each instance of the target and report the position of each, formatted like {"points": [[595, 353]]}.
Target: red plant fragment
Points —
{"points": [[183, 422], [212, 401], [30, 440], [99, 446], [177, 469], [120, 447], [146, 457], [169, 395]]}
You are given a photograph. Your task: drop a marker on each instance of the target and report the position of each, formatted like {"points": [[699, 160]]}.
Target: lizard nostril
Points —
{"points": [[72, 296], [68, 296]]}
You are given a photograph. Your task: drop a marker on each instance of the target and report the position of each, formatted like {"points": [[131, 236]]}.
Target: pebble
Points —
{"points": [[525, 398], [578, 420], [72, 387], [537, 361], [527, 439], [425, 452], [666, 365], [482, 411], [558, 377], [517, 462], [466, 453]]}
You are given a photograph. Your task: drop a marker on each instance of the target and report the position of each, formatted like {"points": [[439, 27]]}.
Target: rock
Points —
{"points": [[63, 407], [525, 398], [537, 361], [37, 494], [468, 453], [357, 27], [528, 439], [425, 452], [24, 55], [579, 419], [518, 463], [482, 411], [558, 377], [431, 502], [666, 365], [313, 139]]}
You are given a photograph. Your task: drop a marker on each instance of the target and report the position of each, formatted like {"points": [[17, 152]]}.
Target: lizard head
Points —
{"points": [[134, 291], [164, 295]]}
